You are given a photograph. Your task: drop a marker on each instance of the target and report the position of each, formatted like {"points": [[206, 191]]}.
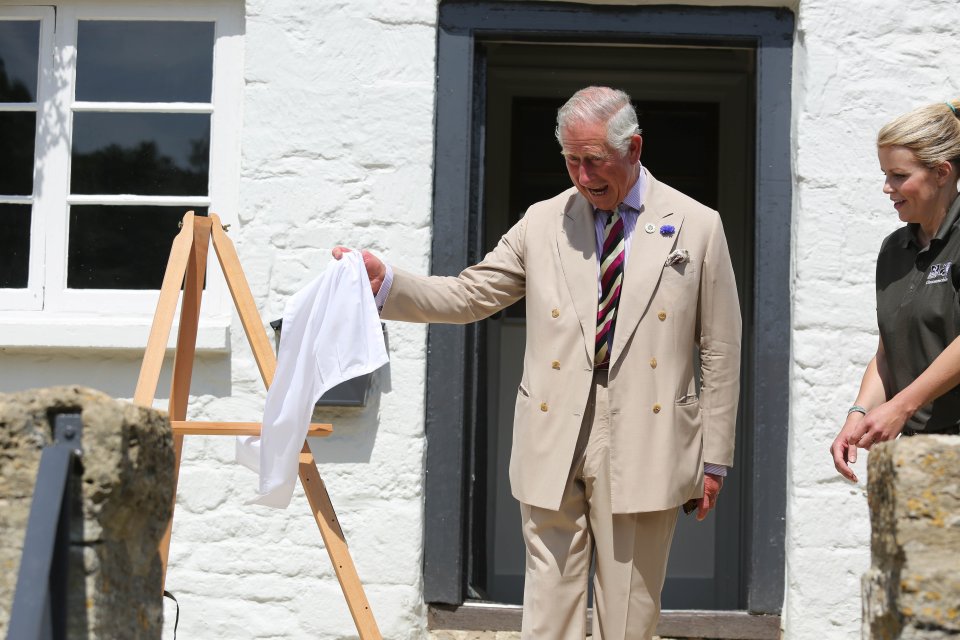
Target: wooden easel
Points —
{"points": [[188, 259]]}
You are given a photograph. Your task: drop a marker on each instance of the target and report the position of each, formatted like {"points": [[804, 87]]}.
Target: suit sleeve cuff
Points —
{"points": [[715, 469], [381, 296]]}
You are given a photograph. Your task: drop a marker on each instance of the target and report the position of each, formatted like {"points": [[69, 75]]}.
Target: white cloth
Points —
{"points": [[331, 333]]}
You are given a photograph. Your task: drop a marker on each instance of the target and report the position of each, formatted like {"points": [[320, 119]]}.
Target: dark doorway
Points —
{"points": [[696, 107], [456, 401]]}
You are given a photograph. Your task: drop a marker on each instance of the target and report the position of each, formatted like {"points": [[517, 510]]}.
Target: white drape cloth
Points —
{"points": [[331, 333]]}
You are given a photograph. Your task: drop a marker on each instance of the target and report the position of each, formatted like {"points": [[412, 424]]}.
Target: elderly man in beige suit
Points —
{"points": [[624, 278]]}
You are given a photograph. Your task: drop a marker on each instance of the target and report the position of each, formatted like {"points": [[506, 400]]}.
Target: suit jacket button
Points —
{"points": [[543, 406], [662, 315], [555, 364], [653, 363], [656, 408], [555, 313]]}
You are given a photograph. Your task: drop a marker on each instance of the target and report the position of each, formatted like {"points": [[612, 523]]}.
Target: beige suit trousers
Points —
{"points": [[631, 549]]}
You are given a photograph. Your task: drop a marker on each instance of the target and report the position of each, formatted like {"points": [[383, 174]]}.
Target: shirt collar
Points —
{"points": [[950, 221], [634, 198], [946, 227], [910, 237]]}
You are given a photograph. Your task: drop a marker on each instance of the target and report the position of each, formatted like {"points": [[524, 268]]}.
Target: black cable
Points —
{"points": [[176, 621]]}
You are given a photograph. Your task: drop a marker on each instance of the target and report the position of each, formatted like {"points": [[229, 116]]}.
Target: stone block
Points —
{"points": [[912, 589], [124, 493]]}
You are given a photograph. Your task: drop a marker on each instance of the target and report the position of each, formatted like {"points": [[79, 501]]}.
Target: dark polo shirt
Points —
{"points": [[918, 311]]}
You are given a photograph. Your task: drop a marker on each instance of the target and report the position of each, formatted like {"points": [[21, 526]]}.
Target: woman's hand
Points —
{"points": [[844, 454], [879, 425]]}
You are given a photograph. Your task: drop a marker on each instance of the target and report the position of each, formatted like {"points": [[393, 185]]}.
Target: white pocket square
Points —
{"points": [[677, 257]]}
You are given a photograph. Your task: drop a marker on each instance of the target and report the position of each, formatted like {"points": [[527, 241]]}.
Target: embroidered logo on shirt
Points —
{"points": [[939, 273]]}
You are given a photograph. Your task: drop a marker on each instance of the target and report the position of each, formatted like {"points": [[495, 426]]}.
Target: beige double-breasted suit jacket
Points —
{"points": [[662, 428]]}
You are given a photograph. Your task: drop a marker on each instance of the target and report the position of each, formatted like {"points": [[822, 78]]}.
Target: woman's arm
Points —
{"points": [[886, 421], [872, 394]]}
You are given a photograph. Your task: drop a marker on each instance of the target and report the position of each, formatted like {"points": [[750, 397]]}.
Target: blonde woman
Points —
{"points": [[911, 384]]}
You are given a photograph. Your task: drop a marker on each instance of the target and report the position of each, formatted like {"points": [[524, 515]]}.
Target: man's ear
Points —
{"points": [[636, 146]]}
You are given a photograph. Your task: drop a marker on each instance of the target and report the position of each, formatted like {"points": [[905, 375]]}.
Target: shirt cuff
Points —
{"points": [[715, 469], [381, 296]]}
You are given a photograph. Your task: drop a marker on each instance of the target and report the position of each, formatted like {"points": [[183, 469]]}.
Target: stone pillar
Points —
{"points": [[912, 590], [125, 492]]}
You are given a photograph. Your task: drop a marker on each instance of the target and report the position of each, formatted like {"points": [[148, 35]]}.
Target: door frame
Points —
{"points": [[452, 355]]}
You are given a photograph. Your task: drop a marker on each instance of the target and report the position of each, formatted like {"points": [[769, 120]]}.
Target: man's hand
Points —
{"points": [[844, 454], [712, 484], [376, 270]]}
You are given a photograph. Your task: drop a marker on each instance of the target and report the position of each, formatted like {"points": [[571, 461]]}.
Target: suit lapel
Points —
{"points": [[648, 251], [577, 247]]}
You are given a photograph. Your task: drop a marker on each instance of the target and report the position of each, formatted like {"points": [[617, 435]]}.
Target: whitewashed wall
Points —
{"points": [[336, 147], [857, 65]]}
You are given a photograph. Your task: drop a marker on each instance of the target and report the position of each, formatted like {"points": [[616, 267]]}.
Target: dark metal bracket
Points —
{"points": [[40, 601], [68, 430]]}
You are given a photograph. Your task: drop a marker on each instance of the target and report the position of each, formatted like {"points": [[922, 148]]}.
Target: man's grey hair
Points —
{"points": [[601, 104]]}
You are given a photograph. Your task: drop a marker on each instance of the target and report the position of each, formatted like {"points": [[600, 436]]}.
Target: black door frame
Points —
{"points": [[451, 395]]}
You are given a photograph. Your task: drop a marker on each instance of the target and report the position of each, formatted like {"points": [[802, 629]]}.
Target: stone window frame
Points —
{"points": [[47, 313]]}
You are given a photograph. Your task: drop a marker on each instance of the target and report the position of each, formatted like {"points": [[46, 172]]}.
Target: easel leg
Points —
{"points": [[243, 300], [164, 548], [163, 317], [320, 504], [183, 360], [336, 546]]}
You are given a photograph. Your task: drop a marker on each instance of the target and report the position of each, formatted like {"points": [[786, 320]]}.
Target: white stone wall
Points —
{"points": [[857, 65], [337, 147]]}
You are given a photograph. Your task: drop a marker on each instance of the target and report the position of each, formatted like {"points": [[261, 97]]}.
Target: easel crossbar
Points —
{"points": [[200, 428]]}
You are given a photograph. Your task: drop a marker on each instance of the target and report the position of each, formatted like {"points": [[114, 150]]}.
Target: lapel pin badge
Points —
{"points": [[649, 227], [667, 230]]}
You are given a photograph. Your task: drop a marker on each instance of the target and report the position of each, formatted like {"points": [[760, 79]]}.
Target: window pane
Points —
{"points": [[14, 245], [144, 61], [19, 50], [140, 153], [121, 247], [17, 136]]}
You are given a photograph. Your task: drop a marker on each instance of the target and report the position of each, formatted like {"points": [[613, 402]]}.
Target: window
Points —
{"points": [[20, 96], [115, 119]]}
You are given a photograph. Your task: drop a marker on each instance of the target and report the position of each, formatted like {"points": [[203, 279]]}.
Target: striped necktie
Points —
{"points": [[611, 278]]}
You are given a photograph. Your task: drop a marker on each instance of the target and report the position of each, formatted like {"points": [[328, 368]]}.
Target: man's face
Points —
{"points": [[596, 169]]}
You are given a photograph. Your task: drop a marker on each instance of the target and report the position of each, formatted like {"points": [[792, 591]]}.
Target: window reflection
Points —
{"points": [[14, 245], [144, 61], [140, 153], [121, 247], [17, 137], [19, 52]]}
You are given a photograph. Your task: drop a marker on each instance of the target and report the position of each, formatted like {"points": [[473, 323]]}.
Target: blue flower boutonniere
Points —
{"points": [[667, 230]]}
